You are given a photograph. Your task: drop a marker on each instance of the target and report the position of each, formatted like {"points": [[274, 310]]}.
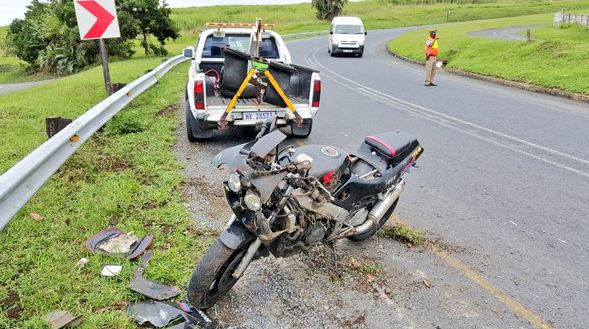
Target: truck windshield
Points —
{"points": [[348, 29], [213, 47]]}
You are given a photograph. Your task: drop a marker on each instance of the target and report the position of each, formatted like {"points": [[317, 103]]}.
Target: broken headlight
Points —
{"points": [[252, 201], [234, 183]]}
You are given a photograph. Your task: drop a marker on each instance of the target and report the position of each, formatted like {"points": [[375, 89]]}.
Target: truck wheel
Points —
{"points": [[302, 132], [193, 130]]}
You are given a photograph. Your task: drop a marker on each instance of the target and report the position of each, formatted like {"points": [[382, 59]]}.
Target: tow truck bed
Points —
{"points": [[250, 102]]}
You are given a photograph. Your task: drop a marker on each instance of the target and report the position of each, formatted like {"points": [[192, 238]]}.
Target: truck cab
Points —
{"points": [[211, 85]]}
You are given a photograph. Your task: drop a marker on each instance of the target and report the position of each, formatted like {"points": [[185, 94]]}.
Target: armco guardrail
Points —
{"points": [[303, 35], [23, 180]]}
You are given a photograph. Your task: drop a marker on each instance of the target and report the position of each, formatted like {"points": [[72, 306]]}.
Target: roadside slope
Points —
{"points": [[556, 58]]}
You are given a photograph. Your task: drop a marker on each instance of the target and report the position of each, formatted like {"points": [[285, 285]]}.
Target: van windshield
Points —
{"points": [[348, 29]]}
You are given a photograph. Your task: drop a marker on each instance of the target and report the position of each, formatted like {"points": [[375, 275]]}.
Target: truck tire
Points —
{"points": [[302, 132], [213, 276], [194, 132]]}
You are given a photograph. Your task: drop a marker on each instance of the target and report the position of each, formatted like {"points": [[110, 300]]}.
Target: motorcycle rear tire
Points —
{"points": [[381, 222], [213, 276]]}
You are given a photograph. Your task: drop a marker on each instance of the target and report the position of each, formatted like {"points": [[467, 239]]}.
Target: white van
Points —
{"points": [[346, 36]]}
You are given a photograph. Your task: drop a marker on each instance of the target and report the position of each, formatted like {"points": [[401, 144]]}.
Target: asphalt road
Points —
{"points": [[11, 87], [503, 189], [505, 174], [509, 33]]}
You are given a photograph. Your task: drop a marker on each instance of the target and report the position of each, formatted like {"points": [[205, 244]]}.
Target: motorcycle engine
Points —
{"points": [[314, 234]]}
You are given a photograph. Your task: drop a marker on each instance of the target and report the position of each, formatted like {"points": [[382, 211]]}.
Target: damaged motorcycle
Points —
{"points": [[287, 200]]}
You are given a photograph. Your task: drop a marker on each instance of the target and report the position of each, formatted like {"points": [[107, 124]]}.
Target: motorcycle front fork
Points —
{"points": [[247, 259]]}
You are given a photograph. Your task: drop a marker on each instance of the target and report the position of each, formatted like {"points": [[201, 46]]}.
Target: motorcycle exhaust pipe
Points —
{"points": [[379, 209]]}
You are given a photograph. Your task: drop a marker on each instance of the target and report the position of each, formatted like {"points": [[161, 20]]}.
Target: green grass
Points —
{"points": [[404, 234], [129, 178], [557, 58], [377, 14]]}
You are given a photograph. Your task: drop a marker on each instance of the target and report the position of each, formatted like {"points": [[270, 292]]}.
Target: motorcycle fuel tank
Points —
{"points": [[329, 164]]}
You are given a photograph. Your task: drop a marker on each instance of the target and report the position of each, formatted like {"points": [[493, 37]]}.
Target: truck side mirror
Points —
{"points": [[365, 33], [189, 52], [331, 32]]}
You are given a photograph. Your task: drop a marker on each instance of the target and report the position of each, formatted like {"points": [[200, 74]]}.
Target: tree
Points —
{"points": [[151, 19], [328, 9], [48, 37]]}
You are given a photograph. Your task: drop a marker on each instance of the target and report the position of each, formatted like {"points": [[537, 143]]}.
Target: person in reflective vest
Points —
{"points": [[431, 57]]}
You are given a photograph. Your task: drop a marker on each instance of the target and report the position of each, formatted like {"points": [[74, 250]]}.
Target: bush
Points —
{"points": [[328, 9], [125, 123]]}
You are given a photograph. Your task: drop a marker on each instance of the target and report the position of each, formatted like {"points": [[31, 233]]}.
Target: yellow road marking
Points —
{"points": [[502, 296], [520, 310]]}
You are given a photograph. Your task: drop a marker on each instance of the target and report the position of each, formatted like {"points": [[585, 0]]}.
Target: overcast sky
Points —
{"points": [[11, 9]]}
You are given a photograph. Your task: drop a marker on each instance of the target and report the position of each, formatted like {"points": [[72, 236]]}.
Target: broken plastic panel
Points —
{"points": [[114, 242], [148, 288]]}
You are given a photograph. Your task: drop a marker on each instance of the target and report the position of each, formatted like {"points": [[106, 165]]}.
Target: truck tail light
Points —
{"points": [[199, 95], [316, 93]]}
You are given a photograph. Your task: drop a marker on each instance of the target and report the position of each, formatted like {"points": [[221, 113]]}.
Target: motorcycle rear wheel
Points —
{"points": [[213, 276], [381, 222]]}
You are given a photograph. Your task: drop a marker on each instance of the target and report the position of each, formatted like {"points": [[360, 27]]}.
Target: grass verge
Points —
{"points": [[556, 58], [126, 176]]}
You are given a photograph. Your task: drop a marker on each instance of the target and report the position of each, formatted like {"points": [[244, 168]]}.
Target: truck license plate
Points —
{"points": [[258, 115], [347, 51]]}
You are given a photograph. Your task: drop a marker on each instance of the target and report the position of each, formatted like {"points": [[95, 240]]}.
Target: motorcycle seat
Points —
{"points": [[390, 144]]}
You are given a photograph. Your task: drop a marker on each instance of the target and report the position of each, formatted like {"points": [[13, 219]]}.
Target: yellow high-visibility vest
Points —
{"points": [[432, 49]]}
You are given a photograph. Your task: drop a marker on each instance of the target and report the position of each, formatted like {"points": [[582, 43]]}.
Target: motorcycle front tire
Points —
{"points": [[381, 222], [213, 276]]}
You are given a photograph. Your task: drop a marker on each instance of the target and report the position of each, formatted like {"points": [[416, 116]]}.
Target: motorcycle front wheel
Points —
{"points": [[213, 276], [381, 222]]}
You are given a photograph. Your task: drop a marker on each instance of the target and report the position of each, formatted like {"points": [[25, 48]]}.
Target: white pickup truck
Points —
{"points": [[206, 100]]}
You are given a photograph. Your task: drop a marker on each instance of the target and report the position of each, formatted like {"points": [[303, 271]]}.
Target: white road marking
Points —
{"points": [[450, 121]]}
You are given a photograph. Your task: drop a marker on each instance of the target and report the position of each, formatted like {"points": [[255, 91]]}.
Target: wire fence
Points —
{"points": [[561, 18]]}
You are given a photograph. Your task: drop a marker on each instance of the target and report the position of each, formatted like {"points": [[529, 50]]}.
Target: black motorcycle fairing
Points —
{"points": [[267, 143], [356, 189], [235, 156], [236, 235], [231, 157]]}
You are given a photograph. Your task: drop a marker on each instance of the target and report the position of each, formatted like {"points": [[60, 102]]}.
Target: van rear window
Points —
{"points": [[213, 47]]}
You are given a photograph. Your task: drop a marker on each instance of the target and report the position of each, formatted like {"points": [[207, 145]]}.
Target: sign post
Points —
{"points": [[97, 20], [105, 69]]}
